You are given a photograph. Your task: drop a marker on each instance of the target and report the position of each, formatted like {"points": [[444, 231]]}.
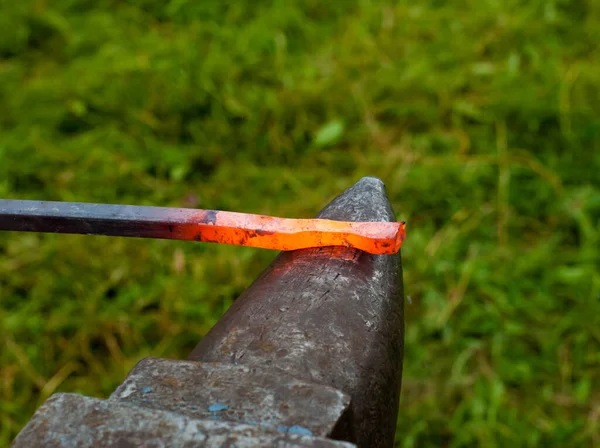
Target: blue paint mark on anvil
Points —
{"points": [[146, 390], [217, 407], [296, 429]]}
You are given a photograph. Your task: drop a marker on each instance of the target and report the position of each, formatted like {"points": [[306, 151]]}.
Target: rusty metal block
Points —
{"points": [[239, 393], [71, 420]]}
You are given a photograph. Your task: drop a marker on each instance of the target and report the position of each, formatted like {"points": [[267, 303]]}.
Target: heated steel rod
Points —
{"points": [[212, 226]]}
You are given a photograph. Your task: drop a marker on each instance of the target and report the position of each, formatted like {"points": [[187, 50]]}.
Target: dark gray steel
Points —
{"points": [[96, 219], [243, 394], [331, 316], [70, 420]]}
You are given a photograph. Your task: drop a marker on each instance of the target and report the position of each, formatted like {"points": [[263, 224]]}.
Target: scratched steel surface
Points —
{"points": [[71, 420], [238, 393], [331, 316]]}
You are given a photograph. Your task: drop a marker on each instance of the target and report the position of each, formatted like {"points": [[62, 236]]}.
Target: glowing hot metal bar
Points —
{"points": [[212, 226]]}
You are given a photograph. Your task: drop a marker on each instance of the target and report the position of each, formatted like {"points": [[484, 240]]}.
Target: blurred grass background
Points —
{"points": [[482, 118]]}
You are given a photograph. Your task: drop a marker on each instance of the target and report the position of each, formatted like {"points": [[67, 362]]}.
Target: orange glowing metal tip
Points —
{"points": [[212, 226], [269, 232]]}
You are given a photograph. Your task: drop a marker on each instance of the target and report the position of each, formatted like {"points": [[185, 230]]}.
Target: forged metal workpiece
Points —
{"points": [[208, 226], [310, 355]]}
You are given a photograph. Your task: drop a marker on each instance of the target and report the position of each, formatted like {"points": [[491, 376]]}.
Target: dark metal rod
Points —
{"points": [[97, 219], [212, 226]]}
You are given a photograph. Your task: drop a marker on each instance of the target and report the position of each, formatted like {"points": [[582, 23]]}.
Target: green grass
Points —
{"points": [[482, 118]]}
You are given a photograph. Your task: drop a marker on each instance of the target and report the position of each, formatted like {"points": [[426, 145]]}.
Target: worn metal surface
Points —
{"points": [[239, 393], [70, 420], [332, 316]]}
